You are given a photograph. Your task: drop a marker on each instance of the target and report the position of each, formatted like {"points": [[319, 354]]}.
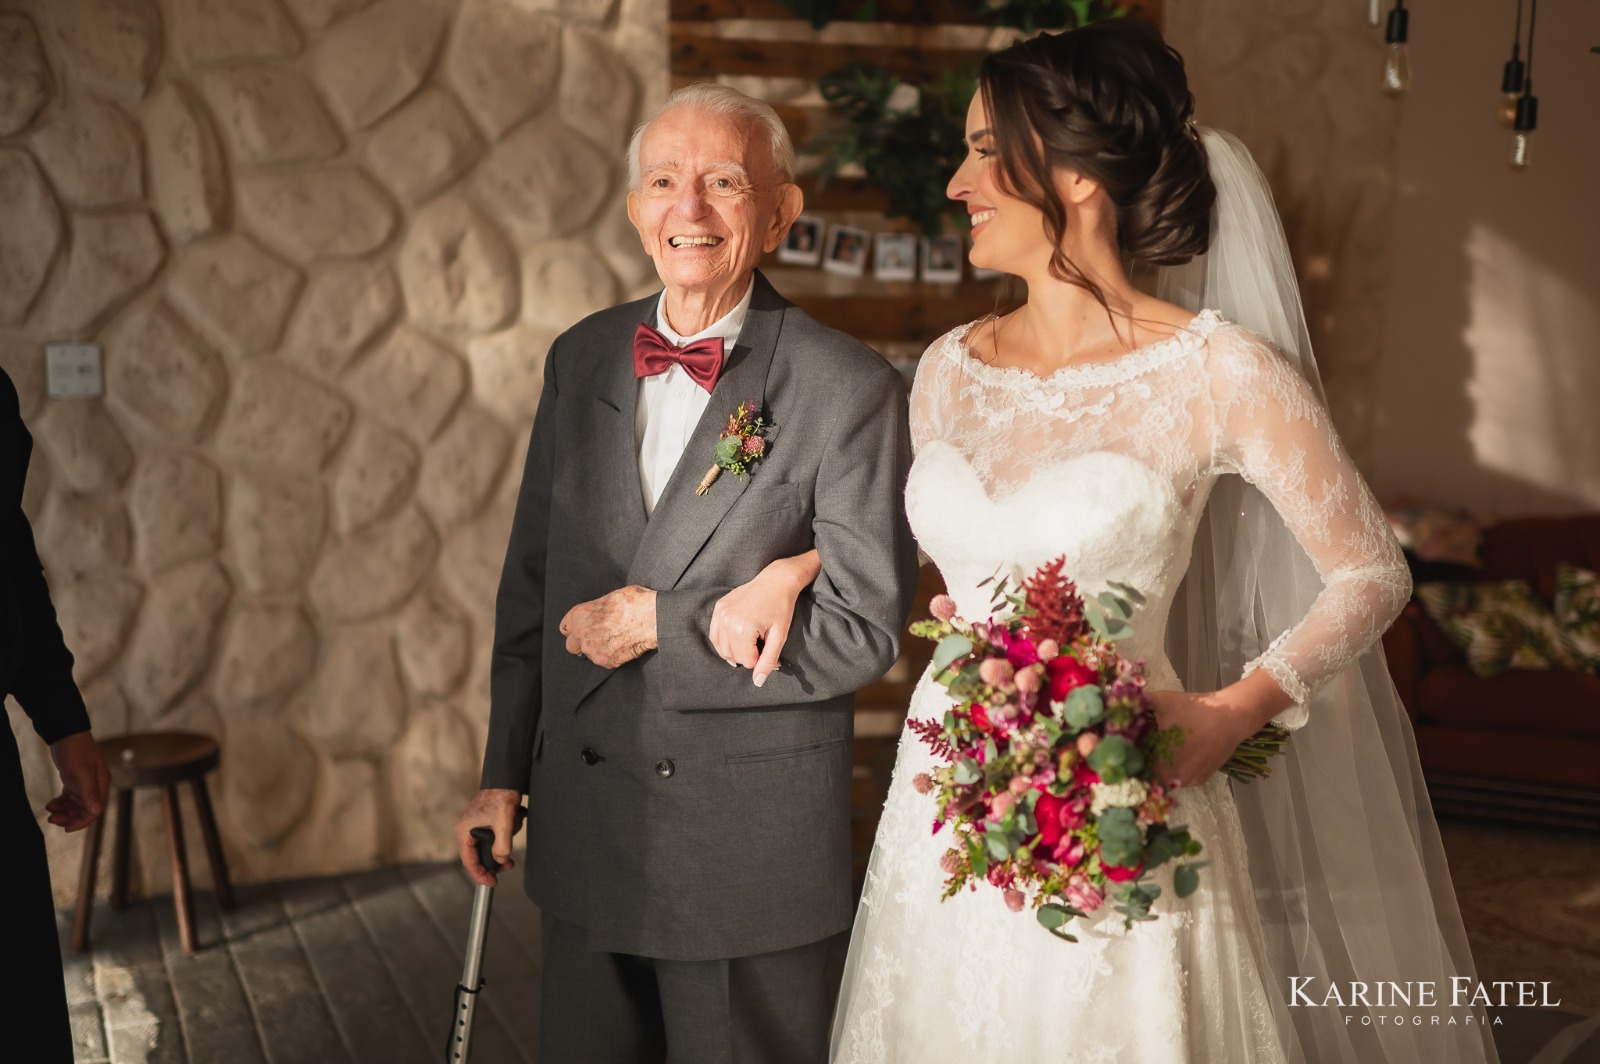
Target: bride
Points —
{"points": [[1180, 445]]}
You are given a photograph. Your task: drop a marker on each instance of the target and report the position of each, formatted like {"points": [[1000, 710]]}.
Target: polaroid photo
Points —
{"points": [[803, 245], [981, 273], [941, 259], [896, 257], [846, 252]]}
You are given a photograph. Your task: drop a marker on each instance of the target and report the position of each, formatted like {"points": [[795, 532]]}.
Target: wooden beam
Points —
{"points": [[703, 56], [900, 12], [922, 318]]}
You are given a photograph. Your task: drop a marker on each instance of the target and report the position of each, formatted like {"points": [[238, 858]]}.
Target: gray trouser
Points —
{"points": [[614, 1008]]}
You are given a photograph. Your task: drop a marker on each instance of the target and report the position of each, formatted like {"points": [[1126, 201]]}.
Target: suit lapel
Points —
{"points": [[620, 517], [683, 521]]}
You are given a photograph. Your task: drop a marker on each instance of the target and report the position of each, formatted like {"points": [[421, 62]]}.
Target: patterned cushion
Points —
{"points": [[1578, 612], [1499, 626]]}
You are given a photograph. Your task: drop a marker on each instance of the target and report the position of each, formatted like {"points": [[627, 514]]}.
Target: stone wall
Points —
{"points": [[1297, 81], [325, 245]]}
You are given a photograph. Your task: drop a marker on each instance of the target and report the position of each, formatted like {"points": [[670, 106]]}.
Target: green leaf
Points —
{"points": [[1186, 878], [998, 844], [1117, 628], [1084, 706], [1095, 616], [950, 648], [967, 771], [1052, 916], [977, 858], [1115, 759], [1120, 844], [1114, 605], [1129, 592]]}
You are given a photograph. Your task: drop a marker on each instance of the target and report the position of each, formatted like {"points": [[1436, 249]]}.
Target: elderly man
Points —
{"points": [[688, 836]]}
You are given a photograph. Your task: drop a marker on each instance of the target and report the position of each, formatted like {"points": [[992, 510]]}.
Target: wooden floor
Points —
{"points": [[353, 968], [362, 968]]}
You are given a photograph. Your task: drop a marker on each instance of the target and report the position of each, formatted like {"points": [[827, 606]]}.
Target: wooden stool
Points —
{"points": [[155, 759]]}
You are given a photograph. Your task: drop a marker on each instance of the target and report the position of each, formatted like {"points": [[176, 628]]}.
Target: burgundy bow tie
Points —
{"points": [[654, 353]]}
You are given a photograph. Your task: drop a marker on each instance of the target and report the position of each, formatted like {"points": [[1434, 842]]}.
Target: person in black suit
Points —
{"points": [[35, 670]]}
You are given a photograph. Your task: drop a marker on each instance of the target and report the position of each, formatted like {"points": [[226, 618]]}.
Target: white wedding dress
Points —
{"points": [[1111, 465]]}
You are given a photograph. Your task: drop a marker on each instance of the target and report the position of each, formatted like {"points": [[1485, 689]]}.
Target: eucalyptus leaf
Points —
{"points": [[1114, 605], [1084, 706], [1052, 916], [1129, 592], [950, 648], [1185, 880], [977, 858], [967, 771]]}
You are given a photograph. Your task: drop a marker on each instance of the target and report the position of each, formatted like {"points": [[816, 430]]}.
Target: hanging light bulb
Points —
{"points": [[1526, 118], [1523, 125], [1396, 61], [1511, 78], [1373, 12]]}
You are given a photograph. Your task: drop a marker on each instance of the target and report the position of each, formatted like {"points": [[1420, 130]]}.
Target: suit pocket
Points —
{"points": [[761, 500], [787, 753]]}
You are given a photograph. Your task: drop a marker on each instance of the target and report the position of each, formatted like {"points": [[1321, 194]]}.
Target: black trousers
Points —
{"points": [[613, 1008], [33, 1008]]}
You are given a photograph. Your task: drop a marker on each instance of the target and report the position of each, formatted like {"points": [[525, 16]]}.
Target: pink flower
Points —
{"points": [[1014, 899], [1001, 804], [1028, 680], [996, 671], [1084, 895], [1049, 649], [948, 862], [1019, 785], [922, 783], [943, 607], [753, 446], [1069, 851], [1087, 742], [1021, 653], [1068, 674]]}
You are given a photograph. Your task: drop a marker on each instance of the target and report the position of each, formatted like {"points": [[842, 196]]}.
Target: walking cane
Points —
{"points": [[459, 1049]]}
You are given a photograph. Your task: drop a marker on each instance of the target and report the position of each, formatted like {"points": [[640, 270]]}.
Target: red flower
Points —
{"points": [[980, 717], [1083, 775], [1021, 653], [1067, 674], [1118, 874]]}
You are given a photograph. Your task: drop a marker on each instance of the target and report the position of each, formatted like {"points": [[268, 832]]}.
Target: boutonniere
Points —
{"points": [[741, 445]]}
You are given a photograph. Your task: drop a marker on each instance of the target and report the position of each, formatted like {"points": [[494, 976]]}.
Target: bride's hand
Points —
{"points": [[750, 624], [1214, 724]]}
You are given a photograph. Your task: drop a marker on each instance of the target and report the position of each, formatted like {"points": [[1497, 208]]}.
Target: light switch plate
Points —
{"points": [[72, 371]]}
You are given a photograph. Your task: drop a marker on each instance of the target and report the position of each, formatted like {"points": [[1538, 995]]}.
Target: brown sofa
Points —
{"points": [[1522, 745]]}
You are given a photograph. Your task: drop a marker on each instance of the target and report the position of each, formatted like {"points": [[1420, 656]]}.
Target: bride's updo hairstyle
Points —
{"points": [[1109, 101]]}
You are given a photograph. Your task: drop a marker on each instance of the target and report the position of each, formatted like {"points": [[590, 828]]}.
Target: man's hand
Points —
{"points": [[763, 610], [492, 808], [84, 782], [614, 629]]}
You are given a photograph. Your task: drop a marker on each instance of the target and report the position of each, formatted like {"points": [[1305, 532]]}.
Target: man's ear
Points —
{"points": [[791, 201]]}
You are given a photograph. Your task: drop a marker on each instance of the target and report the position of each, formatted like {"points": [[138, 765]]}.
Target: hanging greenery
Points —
{"points": [[908, 139]]}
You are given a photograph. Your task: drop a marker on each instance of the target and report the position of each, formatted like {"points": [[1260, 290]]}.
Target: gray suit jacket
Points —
{"points": [[675, 809]]}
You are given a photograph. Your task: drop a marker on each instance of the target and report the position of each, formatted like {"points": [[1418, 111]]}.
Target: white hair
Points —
{"points": [[727, 102]]}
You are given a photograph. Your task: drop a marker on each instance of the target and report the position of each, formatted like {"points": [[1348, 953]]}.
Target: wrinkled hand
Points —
{"points": [[1211, 733], [84, 782], [614, 629], [491, 808], [750, 624]]}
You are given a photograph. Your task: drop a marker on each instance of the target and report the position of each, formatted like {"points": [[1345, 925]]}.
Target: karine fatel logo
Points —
{"points": [[1420, 1002]]}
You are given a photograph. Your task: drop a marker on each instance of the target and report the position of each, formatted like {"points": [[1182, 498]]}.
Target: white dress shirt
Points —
{"points": [[671, 403]]}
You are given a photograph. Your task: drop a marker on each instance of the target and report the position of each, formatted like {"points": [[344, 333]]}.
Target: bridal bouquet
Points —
{"points": [[1048, 784]]}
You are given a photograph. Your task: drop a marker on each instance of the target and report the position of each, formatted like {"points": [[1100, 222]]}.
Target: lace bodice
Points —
{"points": [[1111, 464]]}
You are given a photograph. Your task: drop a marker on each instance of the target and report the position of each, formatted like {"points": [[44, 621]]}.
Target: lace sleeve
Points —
{"points": [[936, 391], [1270, 429]]}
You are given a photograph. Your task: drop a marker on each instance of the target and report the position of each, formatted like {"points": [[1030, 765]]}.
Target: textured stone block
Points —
{"points": [[93, 153], [504, 62], [176, 503], [238, 295], [374, 570], [275, 529], [268, 774], [355, 706], [30, 234], [433, 640], [434, 773], [85, 445], [268, 651], [375, 476], [424, 146], [598, 94], [277, 418], [269, 114], [111, 257], [209, 31], [458, 272], [24, 73], [462, 466], [80, 533], [162, 374], [563, 282], [371, 61], [508, 371], [344, 306], [96, 613], [409, 382], [172, 648], [335, 212], [112, 44], [189, 181], [545, 180]]}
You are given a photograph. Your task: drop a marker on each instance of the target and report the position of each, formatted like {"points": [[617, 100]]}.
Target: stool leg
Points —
{"points": [[180, 868], [86, 871], [122, 842], [208, 832]]}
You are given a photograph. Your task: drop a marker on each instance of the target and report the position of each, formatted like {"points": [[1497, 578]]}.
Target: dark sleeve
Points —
{"points": [[516, 667], [35, 658], [846, 630]]}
